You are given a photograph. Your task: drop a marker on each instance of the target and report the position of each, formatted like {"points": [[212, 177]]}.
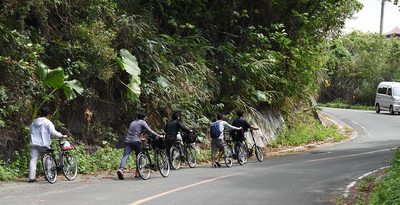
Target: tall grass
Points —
{"points": [[307, 132], [344, 105], [387, 191]]}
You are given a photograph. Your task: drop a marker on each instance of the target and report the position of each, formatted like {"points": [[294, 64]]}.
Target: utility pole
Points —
{"points": [[382, 15]]}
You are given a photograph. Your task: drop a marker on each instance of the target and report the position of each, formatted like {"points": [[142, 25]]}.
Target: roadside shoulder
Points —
{"points": [[327, 120]]}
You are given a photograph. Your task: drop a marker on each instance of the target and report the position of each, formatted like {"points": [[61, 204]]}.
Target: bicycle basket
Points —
{"points": [[159, 143], [65, 146]]}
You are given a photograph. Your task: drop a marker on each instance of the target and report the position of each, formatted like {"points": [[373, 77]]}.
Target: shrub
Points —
{"points": [[303, 133], [388, 190]]}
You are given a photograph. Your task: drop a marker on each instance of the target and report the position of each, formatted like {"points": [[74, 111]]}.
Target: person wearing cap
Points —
{"points": [[41, 131]]}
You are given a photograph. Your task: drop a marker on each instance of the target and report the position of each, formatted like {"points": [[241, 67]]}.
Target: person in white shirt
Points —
{"points": [[41, 130], [218, 142]]}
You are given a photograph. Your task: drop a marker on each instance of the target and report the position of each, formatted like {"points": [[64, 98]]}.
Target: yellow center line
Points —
{"points": [[177, 189]]}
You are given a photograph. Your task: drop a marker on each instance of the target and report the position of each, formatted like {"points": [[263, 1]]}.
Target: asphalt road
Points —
{"points": [[313, 177]]}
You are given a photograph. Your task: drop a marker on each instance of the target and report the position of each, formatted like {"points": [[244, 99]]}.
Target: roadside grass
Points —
{"points": [[303, 133], [360, 194], [90, 161], [388, 188], [343, 105], [380, 188]]}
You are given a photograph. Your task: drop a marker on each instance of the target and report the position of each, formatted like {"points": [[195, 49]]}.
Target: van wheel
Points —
{"points": [[391, 110], [377, 108]]}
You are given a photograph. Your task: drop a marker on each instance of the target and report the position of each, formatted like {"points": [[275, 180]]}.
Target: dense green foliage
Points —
{"points": [[388, 188], [357, 63], [199, 57], [302, 133]]}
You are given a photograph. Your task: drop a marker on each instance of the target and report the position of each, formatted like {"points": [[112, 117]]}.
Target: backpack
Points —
{"points": [[214, 130]]}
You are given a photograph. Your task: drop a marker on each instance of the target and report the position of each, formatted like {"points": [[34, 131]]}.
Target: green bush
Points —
{"points": [[105, 158], [304, 133], [17, 168], [387, 191], [5, 173]]}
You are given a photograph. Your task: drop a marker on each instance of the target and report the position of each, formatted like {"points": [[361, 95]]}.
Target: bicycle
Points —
{"points": [[143, 160], [228, 152], [67, 163], [238, 151], [184, 152], [247, 151]]}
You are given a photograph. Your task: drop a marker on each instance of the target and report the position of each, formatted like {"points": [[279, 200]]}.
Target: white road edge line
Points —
{"points": [[178, 189], [351, 155], [368, 134], [354, 182]]}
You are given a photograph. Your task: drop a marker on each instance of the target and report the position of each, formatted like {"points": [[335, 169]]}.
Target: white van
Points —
{"points": [[388, 97]]}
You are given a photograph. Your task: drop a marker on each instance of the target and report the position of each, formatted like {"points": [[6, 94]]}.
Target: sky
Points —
{"points": [[368, 19]]}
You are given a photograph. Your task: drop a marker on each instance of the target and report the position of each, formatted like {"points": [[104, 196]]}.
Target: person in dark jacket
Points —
{"points": [[238, 135], [171, 131], [132, 141]]}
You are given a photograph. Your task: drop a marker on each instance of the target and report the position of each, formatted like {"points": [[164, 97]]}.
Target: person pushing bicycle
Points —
{"points": [[41, 131], [238, 135], [171, 131], [217, 139], [132, 141]]}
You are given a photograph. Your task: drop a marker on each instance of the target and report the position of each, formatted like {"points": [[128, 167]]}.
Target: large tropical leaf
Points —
{"points": [[134, 89], [55, 78], [71, 87], [41, 71], [130, 65]]}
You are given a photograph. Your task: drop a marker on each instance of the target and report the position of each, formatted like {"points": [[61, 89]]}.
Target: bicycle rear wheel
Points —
{"points": [[162, 163], [191, 156], [175, 158], [259, 153], [228, 157], [143, 165], [70, 168], [242, 154], [49, 168]]}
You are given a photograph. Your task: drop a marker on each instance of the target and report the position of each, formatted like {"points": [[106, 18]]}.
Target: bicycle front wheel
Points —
{"points": [[259, 153], [191, 156], [143, 165], [162, 163], [49, 168], [175, 158], [70, 168]]}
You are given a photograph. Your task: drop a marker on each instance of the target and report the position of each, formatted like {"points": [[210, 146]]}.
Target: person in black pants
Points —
{"points": [[132, 141], [238, 135], [171, 131]]}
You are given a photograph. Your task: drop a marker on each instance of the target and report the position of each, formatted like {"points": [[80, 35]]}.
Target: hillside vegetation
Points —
{"points": [[358, 62], [115, 58]]}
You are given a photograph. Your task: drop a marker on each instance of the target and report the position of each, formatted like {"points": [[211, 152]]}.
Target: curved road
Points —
{"points": [[313, 177]]}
